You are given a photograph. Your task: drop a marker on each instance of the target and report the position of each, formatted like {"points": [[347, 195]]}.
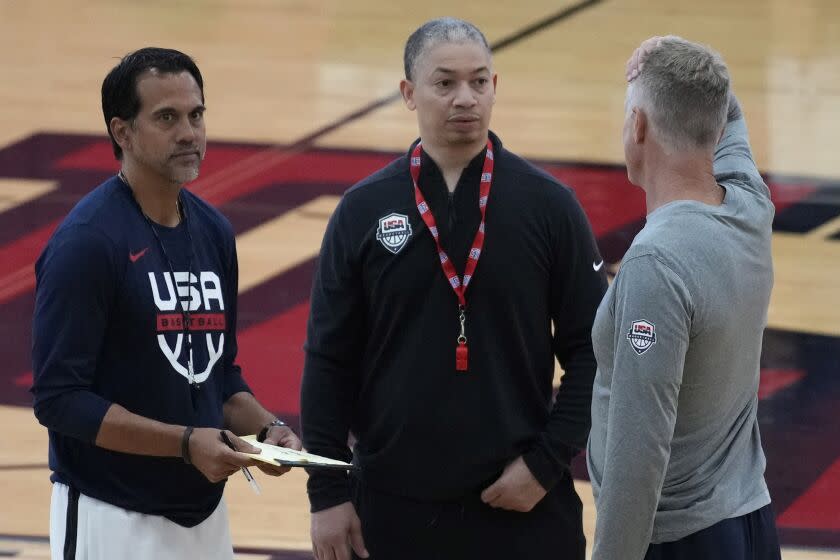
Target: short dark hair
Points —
{"points": [[119, 89], [440, 30]]}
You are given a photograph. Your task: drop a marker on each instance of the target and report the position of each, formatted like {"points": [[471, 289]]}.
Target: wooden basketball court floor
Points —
{"points": [[301, 105]]}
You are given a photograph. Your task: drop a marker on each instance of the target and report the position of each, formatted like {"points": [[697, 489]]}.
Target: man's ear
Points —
{"points": [[640, 125], [407, 91], [121, 133]]}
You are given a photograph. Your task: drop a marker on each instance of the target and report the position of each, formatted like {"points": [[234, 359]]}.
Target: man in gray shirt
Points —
{"points": [[674, 453]]}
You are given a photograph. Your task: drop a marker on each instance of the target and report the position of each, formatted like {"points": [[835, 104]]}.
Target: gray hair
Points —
{"points": [[436, 31], [684, 88]]}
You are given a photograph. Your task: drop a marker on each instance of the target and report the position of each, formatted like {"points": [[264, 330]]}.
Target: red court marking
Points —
{"points": [[18, 258], [774, 380], [96, 156], [24, 380], [271, 356], [229, 173], [219, 183], [608, 198], [293, 169], [816, 508], [788, 194]]}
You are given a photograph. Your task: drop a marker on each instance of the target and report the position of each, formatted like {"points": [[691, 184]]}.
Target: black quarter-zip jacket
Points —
{"points": [[381, 338]]}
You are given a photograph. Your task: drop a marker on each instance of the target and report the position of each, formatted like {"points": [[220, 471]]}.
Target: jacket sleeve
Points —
{"points": [[733, 163], [578, 282], [653, 311], [75, 288], [334, 347], [234, 382]]}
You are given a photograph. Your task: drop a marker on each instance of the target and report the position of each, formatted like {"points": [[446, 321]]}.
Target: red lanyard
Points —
{"points": [[458, 285]]}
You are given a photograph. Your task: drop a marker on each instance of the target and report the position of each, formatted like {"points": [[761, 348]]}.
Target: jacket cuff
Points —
{"points": [[327, 490], [549, 467]]}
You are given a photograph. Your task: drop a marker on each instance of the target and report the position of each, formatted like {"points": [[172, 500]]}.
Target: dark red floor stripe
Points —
{"points": [[271, 357], [24, 380], [598, 189], [18, 258], [786, 194], [817, 507], [774, 380], [320, 166]]}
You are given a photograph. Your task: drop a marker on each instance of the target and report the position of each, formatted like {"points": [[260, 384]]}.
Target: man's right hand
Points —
{"points": [[637, 60], [213, 458], [334, 531]]}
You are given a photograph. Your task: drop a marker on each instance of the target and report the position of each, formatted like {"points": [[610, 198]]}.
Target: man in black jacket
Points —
{"points": [[430, 337]]}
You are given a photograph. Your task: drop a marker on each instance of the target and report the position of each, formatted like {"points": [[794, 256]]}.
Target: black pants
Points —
{"points": [[749, 537], [396, 528]]}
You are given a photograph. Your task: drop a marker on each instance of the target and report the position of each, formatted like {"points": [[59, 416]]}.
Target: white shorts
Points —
{"points": [[106, 532]]}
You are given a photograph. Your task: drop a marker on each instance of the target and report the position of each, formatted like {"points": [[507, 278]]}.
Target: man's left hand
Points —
{"points": [[282, 436], [516, 489]]}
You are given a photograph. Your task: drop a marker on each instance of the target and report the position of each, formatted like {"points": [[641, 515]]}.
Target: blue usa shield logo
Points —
{"points": [[393, 232], [642, 336]]}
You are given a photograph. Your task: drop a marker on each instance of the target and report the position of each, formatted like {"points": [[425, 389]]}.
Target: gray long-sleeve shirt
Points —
{"points": [[675, 445]]}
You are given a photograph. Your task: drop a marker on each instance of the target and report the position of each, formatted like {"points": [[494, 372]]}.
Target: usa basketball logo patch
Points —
{"points": [[393, 232], [642, 336]]}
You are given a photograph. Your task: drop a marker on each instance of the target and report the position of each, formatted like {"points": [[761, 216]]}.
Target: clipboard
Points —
{"points": [[274, 455]]}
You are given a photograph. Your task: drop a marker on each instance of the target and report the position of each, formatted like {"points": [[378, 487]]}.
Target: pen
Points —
{"points": [[248, 476]]}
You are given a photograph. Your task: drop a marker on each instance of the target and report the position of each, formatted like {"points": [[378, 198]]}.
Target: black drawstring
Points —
{"points": [[185, 311]]}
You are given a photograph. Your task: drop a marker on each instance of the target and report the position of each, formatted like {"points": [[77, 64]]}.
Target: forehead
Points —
{"points": [[156, 89], [464, 56]]}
